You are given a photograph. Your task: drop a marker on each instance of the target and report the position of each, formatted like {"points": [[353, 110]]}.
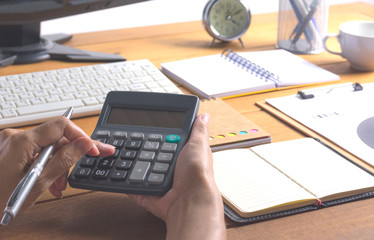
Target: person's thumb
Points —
{"points": [[62, 160]]}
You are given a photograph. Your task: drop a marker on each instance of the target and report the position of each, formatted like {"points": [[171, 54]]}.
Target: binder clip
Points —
{"points": [[303, 95], [357, 87]]}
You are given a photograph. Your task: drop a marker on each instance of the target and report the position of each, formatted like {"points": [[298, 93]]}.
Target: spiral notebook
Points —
{"points": [[231, 74]]}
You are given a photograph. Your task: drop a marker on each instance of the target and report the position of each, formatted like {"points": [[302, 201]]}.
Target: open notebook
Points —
{"points": [[285, 178], [231, 74]]}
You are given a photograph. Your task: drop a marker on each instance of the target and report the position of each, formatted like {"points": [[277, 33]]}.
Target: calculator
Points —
{"points": [[148, 131]]}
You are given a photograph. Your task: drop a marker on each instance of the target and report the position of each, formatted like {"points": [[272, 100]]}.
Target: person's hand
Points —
{"points": [[193, 208], [18, 150]]}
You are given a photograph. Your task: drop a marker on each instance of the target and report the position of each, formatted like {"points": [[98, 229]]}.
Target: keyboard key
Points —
{"points": [[49, 107], [80, 95], [52, 98], [38, 100], [23, 103], [66, 96], [90, 101], [4, 91], [18, 89], [27, 95], [7, 105], [7, 113], [40, 93], [11, 97]]}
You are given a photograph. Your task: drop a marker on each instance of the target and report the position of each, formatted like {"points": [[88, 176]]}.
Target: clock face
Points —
{"points": [[227, 19]]}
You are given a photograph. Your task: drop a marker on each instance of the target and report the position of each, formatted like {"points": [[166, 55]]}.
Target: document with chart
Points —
{"points": [[342, 113]]}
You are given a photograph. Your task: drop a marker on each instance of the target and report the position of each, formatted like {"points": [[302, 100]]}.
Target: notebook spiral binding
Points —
{"points": [[250, 66]]}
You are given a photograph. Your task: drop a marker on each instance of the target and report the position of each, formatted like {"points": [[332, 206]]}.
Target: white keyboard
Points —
{"points": [[36, 97]]}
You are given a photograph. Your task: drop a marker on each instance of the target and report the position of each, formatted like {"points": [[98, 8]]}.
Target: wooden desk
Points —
{"points": [[97, 215]]}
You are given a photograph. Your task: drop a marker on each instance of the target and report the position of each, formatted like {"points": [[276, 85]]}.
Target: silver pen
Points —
{"points": [[24, 187]]}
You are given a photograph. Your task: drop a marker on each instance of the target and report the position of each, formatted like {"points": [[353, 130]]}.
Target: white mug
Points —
{"points": [[356, 39]]}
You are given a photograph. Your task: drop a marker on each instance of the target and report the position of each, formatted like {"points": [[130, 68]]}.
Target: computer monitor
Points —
{"points": [[20, 39]]}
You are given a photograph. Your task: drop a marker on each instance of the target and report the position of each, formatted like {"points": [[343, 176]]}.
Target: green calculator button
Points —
{"points": [[173, 139]]}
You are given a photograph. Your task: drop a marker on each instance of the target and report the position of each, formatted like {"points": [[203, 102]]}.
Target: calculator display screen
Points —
{"points": [[146, 117]]}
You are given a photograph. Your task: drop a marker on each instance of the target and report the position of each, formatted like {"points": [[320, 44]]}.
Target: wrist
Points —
{"points": [[197, 215]]}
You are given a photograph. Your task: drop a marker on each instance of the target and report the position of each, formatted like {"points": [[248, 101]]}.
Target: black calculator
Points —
{"points": [[148, 130]]}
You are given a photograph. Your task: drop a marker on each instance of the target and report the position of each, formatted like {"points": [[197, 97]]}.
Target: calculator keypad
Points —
{"points": [[138, 158]]}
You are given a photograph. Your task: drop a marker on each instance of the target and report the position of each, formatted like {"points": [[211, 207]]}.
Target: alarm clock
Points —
{"points": [[226, 20]]}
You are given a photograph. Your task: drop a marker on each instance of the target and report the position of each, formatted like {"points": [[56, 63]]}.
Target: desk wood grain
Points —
{"points": [[97, 215]]}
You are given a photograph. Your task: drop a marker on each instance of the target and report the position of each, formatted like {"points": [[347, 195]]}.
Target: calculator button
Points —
{"points": [[164, 157], [155, 178], [103, 134], [147, 156], [173, 139], [120, 134], [103, 140], [123, 164], [87, 161], [151, 146], [100, 174], [115, 154], [137, 136], [161, 167], [82, 172], [169, 147], [118, 175], [106, 163], [134, 145], [118, 143], [140, 170], [128, 154], [155, 137]]}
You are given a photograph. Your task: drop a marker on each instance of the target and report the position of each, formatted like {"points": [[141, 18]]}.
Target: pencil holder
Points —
{"points": [[302, 24]]}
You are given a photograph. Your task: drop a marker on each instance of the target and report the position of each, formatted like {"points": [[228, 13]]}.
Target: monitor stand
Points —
{"points": [[21, 44]]}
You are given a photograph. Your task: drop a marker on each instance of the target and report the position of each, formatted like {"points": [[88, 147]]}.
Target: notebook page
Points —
{"points": [[214, 76], [316, 167], [290, 68], [250, 184]]}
